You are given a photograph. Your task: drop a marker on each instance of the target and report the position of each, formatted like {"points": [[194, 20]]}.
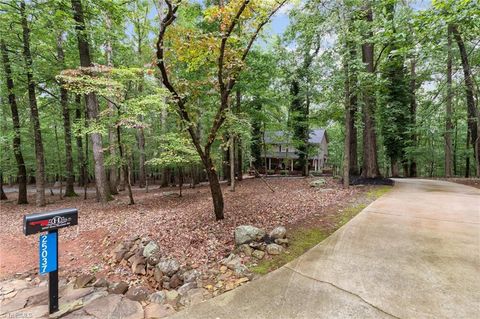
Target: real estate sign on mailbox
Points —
{"points": [[48, 253]]}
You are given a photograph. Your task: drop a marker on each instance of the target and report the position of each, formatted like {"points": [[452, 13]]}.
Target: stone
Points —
{"points": [[8, 287], [153, 311], [119, 247], [235, 263], [193, 297], [157, 297], [153, 259], [191, 276], [168, 266], [166, 285], [223, 269], [278, 232], [172, 295], [318, 183], [66, 308], [118, 288], [247, 250], [229, 286], [39, 311], [83, 280], [100, 282], [137, 293], [241, 271], [97, 294], [119, 255], [139, 269], [281, 241], [114, 306], [75, 294], [274, 249], [128, 255], [258, 254], [186, 287], [21, 299], [150, 249], [258, 246], [158, 275], [175, 281], [246, 233]]}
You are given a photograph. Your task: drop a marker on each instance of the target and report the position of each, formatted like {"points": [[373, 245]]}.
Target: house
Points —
{"points": [[282, 155]]}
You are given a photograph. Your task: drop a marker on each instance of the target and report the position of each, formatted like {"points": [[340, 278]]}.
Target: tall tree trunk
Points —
{"points": [[472, 111], [353, 106], [141, 157], [232, 163], [32, 98], [81, 162], [300, 125], [103, 190], [370, 163], [125, 169], [256, 144], [112, 176], [238, 146], [448, 113], [412, 171], [69, 189], [348, 128], [17, 149], [215, 189], [59, 162]]}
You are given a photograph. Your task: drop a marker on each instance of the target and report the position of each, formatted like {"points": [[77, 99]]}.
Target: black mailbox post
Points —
{"points": [[48, 251]]}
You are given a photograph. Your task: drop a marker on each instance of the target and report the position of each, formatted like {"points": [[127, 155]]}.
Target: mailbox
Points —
{"points": [[41, 222], [50, 222]]}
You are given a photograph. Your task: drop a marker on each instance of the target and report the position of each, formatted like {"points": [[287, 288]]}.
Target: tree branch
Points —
{"points": [[225, 90], [181, 108]]}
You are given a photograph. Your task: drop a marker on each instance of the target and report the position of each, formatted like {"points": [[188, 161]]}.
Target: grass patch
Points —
{"points": [[302, 240]]}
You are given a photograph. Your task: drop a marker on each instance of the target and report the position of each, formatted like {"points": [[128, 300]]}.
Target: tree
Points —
{"points": [[69, 189], [17, 144], [227, 72], [396, 107], [448, 111], [32, 99], [370, 162], [473, 113], [103, 191]]}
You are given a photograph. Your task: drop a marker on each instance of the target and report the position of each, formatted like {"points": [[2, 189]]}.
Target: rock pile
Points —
{"points": [[254, 242], [145, 258]]}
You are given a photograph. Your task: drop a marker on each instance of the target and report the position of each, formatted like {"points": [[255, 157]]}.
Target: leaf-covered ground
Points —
{"points": [[184, 227]]}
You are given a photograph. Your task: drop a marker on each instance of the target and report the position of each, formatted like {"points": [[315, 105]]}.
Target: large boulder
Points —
{"points": [[168, 266], [278, 233], [246, 233]]}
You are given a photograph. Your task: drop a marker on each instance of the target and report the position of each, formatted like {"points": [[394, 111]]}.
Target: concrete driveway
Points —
{"points": [[413, 253]]}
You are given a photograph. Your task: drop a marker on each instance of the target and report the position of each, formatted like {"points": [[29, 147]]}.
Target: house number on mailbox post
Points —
{"points": [[49, 222]]}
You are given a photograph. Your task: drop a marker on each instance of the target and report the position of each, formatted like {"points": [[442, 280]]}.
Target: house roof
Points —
{"points": [[282, 137]]}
